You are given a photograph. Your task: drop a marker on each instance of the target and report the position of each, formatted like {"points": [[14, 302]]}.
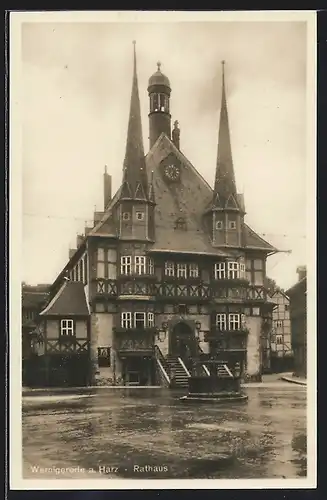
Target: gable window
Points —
{"points": [[140, 267], [140, 215], [220, 270], [126, 215], [169, 269], [181, 271], [221, 321], [66, 327], [234, 321], [193, 270], [126, 264], [219, 224], [126, 320], [233, 270], [139, 320], [150, 319], [232, 224]]}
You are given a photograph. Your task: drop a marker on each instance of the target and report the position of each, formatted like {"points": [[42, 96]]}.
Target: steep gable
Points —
{"points": [[188, 198]]}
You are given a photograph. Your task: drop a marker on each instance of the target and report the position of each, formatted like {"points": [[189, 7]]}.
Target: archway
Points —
{"points": [[182, 341]]}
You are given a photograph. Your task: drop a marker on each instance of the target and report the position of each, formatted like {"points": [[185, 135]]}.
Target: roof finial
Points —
{"points": [[159, 65]]}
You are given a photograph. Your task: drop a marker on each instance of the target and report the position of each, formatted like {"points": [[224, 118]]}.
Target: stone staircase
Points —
{"points": [[176, 369]]}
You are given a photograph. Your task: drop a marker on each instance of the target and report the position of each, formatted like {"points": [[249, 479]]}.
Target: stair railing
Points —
{"points": [[228, 371], [181, 362], [204, 367], [163, 365]]}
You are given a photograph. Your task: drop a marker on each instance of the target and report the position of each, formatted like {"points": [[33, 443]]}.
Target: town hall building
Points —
{"points": [[170, 273]]}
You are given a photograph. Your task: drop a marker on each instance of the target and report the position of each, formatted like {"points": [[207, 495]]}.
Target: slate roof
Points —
{"points": [[189, 201], [33, 297], [70, 300]]}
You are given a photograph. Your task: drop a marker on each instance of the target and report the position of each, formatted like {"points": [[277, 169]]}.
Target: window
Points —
{"points": [[126, 320], [139, 320], [242, 271], [150, 319], [140, 215], [256, 311], [104, 356], [126, 215], [258, 264], [279, 339], [219, 224], [140, 267], [220, 270], [232, 224], [279, 324], [233, 270], [181, 270], [193, 270], [126, 264], [221, 321], [151, 266], [169, 269], [234, 322], [67, 327], [287, 307]]}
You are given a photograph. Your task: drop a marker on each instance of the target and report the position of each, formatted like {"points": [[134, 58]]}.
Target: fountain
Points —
{"points": [[220, 385]]}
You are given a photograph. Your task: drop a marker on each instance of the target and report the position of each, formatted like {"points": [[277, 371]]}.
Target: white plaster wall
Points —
{"points": [[253, 346]]}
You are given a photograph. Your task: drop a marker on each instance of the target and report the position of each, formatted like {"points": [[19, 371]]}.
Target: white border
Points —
{"points": [[15, 242]]}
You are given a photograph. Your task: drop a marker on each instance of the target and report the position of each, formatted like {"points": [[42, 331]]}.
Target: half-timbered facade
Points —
{"points": [[170, 270], [281, 342]]}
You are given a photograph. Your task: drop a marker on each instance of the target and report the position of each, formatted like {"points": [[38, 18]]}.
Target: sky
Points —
{"points": [[75, 93]]}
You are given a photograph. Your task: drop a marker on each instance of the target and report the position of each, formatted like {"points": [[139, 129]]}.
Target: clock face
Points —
{"points": [[172, 172]]}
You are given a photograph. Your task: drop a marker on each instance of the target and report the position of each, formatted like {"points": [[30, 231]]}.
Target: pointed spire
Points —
{"points": [[225, 185], [134, 162]]}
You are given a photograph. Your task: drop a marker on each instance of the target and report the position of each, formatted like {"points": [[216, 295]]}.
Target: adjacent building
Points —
{"points": [[281, 352], [298, 314], [170, 271]]}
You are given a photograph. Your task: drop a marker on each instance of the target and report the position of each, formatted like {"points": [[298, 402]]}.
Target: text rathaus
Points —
{"points": [[169, 273]]}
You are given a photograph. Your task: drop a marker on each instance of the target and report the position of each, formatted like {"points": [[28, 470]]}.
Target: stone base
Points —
{"points": [[215, 398]]}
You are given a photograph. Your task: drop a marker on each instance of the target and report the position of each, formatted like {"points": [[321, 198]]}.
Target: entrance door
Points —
{"points": [[182, 341]]}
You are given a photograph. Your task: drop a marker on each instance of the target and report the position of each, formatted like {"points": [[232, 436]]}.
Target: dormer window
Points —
{"points": [[232, 224], [126, 215], [140, 215], [219, 224], [181, 223]]}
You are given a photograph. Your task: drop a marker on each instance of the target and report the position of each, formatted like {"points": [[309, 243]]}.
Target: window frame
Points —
{"points": [[126, 320], [140, 265], [67, 327], [219, 225], [232, 225], [221, 319], [126, 265], [181, 270], [150, 265], [234, 321], [150, 319], [193, 270], [139, 213], [220, 270], [137, 320], [126, 216], [169, 268], [233, 270]]}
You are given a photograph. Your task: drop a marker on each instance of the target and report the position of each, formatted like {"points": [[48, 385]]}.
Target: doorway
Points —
{"points": [[182, 341]]}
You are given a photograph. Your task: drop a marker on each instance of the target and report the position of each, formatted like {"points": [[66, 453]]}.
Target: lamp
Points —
{"points": [[162, 333]]}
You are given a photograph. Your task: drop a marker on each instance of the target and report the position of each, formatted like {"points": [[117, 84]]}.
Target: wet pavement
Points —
{"points": [[150, 433]]}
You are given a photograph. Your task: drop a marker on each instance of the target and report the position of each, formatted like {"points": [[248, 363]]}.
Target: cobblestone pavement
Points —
{"points": [[150, 433]]}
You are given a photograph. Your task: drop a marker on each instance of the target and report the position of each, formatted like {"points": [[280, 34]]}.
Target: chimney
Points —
{"points": [[79, 240], [71, 252], [106, 188], [302, 272], [97, 216], [176, 134]]}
